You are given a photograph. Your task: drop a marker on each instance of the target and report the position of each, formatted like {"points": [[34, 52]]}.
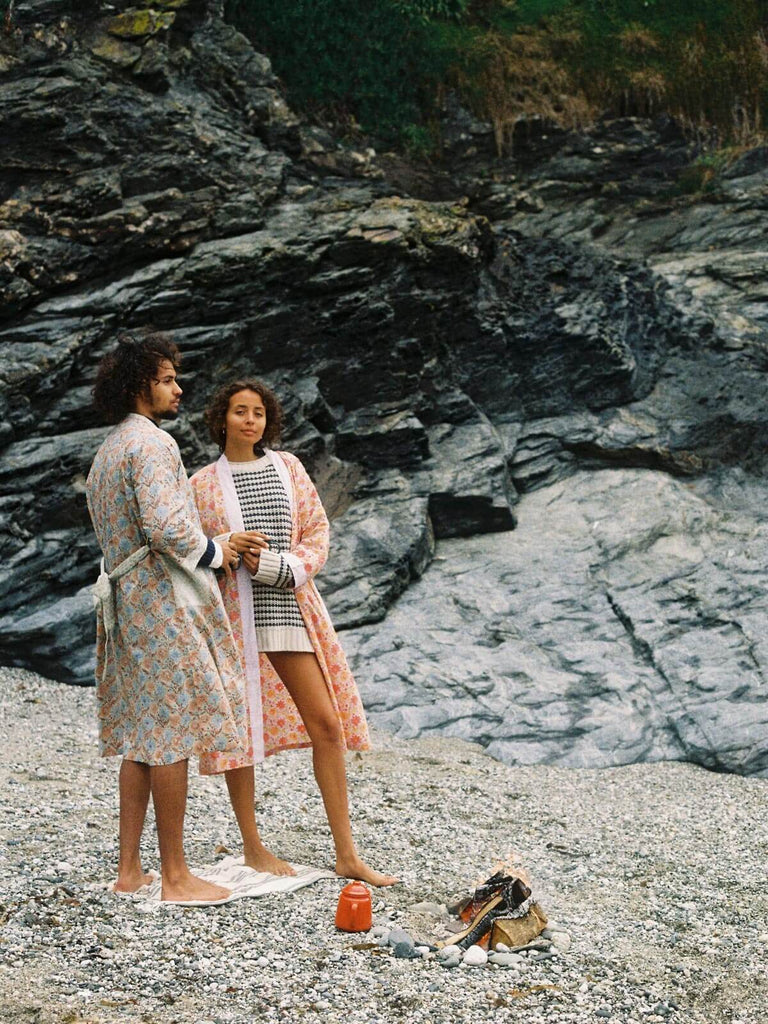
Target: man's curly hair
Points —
{"points": [[127, 372], [216, 413]]}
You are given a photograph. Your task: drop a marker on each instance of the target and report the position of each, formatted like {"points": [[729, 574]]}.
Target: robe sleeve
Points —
{"points": [[213, 557], [166, 506], [308, 556]]}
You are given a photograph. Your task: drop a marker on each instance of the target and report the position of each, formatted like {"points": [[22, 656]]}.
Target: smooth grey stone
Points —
{"points": [[404, 950], [449, 956], [398, 935], [505, 959]]}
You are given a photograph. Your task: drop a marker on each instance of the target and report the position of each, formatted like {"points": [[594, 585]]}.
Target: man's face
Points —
{"points": [[164, 392]]}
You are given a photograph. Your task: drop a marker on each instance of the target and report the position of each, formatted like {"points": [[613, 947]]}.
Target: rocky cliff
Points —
{"points": [[444, 374]]}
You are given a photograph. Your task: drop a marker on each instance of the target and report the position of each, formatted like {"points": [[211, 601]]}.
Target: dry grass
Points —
{"points": [[509, 78], [715, 91], [638, 41]]}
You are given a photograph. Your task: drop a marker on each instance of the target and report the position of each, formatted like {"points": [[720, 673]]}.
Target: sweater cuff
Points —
{"points": [[218, 559], [270, 563], [212, 557]]}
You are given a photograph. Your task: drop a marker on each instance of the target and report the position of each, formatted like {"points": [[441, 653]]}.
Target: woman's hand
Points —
{"points": [[249, 543], [251, 562]]}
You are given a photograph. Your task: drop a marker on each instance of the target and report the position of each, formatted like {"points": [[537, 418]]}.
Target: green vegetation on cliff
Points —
{"points": [[386, 64]]}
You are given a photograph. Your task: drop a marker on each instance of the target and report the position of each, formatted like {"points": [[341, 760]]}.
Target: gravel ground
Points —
{"points": [[657, 872]]}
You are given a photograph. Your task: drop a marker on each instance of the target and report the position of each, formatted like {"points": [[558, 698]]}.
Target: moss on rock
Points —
{"points": [[136, 23]]}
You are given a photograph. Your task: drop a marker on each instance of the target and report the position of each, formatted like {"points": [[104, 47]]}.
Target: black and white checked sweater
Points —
{"points": [[264, 506]]}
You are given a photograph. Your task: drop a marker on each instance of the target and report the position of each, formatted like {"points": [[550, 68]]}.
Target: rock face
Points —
{"points": [[622, 621], [433, 366]]}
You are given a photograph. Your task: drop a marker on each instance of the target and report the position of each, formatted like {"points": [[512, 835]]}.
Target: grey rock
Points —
{"points": [[505, 959], [52, 638], [403, 950], [398, 936], [382, 438], [467, 480], [449, 956], [755, 161], [382, 542], [578, 637]]}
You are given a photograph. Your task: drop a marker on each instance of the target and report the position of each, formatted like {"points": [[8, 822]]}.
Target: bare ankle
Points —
{"points": [[175, 874]]}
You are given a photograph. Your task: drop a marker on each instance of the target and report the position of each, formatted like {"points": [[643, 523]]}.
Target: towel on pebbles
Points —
{"points": [[244, 882]]}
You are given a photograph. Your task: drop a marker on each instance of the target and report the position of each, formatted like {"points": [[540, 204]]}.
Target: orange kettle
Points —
{"points": [[353, 914]]}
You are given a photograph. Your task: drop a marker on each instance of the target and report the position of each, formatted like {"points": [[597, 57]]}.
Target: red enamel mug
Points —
{"points": [[353, 914]]}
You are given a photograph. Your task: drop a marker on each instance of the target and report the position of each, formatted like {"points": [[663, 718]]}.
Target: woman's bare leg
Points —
{"points": [[134, 798], [304, 681], [169, 795], [242, 797]]}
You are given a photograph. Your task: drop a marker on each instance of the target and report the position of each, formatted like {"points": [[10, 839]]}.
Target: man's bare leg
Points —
{"points": [[305, 682], [169, 794], [243, 800], [134, 797]]}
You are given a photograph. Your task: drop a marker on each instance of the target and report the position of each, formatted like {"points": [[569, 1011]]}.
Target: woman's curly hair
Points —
{"points": [[216, 413], [128, 371]]}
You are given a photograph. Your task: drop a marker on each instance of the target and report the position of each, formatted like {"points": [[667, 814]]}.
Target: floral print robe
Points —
{"points": [[169, 680], [275, 720]]}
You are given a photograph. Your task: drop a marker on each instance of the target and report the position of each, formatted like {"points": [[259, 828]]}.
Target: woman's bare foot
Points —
{"points": [[191, 889], [260, 859], [132, 881], [357, 868]]}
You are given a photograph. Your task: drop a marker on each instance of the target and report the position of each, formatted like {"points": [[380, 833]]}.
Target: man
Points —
{"points": [[168, 675]]}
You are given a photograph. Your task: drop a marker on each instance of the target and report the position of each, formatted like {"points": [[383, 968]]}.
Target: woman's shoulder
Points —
{"points": [[204, 475], [288, 458]]}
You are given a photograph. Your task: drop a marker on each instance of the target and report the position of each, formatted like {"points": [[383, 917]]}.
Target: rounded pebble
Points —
{"points": [[475, 956]]}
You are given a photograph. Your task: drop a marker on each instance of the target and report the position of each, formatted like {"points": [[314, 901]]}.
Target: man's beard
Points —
{"points": [[165, 414]]}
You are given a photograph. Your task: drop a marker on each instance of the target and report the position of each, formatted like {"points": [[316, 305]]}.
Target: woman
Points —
{"points": [[300, 689]]}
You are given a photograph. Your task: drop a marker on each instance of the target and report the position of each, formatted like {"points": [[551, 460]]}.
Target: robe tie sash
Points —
{"points": [[103, 592]]}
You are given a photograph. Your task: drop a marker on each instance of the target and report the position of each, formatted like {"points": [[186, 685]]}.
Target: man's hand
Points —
{"points": [[231, 559]]}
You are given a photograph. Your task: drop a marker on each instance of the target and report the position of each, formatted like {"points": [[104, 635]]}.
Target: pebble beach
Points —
{"points": [[653, 877]]}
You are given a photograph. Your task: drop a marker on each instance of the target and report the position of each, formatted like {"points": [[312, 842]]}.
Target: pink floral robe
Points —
{"points": [[169, 680], [275, 720]]}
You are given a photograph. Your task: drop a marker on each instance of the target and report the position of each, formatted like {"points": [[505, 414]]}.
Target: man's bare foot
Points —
{"points": [[357, 868], [260, 859], [132, 881], [191, 889]]}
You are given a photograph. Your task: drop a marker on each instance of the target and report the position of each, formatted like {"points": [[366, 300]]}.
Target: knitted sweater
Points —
{"points": [[264, 506]]}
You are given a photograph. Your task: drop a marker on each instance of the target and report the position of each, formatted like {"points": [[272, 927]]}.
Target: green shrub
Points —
{"points": [[427, 10], [702, 176], [374, 62], [385, 64]]}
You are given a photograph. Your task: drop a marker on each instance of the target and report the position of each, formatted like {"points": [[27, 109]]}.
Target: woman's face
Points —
{"points": [[246, 418]]}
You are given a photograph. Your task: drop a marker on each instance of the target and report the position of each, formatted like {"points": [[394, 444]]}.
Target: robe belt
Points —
{"points": [[103, 589]]}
